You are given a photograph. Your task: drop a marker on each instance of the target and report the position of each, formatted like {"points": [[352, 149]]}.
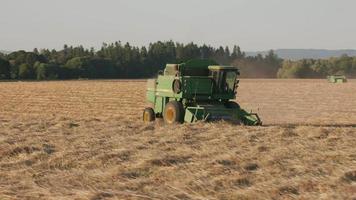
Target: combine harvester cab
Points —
{"points": [[196, 90]]}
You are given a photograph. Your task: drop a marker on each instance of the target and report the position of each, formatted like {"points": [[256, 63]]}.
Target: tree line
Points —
{"points": [[318, 68], [117, 60]]}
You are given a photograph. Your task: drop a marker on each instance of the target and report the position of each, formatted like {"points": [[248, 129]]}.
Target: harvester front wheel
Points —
{"points": [[173, 112], [148, 115]]}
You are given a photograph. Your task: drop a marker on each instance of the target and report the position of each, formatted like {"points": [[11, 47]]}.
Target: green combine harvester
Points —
{"points": [[337, 79], [196, 90]]}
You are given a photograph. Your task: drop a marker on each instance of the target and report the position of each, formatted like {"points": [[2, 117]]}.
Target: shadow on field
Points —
{"points": [[293, 125]]}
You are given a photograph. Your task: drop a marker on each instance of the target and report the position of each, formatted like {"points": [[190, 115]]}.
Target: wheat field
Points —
{"points": [[86, 140]]}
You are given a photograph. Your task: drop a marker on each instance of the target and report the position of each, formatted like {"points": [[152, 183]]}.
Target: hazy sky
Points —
{"points": [[252, 24]]}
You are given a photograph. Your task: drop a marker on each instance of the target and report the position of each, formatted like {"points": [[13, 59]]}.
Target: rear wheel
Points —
{"points": [[148, 115], [173, 112]]}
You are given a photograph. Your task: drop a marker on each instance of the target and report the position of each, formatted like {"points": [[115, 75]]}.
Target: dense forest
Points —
{"points": [[117, 60]]}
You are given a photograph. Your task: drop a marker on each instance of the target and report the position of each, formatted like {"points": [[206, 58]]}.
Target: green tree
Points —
{"points": [[236, 53], [46, 71], [26, 71], [76, 68], [297, 69], [4, 69], [353, 69]]}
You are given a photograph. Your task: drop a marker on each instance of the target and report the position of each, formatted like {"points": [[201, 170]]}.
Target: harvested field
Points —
{"points": [[85, 140]]}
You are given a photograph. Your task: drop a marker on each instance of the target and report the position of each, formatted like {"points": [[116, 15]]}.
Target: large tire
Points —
{"points": [[148, 115], [173, 113]]}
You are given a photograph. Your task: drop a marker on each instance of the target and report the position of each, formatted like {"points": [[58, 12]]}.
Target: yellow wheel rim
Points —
{"points": [[170, 115], [146, 117]]}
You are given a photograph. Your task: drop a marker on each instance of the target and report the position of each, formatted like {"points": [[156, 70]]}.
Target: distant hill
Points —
{"points": [[5, 52], [297, 54]]}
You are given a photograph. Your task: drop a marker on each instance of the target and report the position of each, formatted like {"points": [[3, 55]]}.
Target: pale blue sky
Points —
{"points": [[252, 24]]}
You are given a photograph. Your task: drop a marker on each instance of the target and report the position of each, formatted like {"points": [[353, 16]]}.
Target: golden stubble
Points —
{"points": [[86, 140]]}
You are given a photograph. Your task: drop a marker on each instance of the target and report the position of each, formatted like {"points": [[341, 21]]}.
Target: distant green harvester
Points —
{"points": [[196, 90], [337, 79]]}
